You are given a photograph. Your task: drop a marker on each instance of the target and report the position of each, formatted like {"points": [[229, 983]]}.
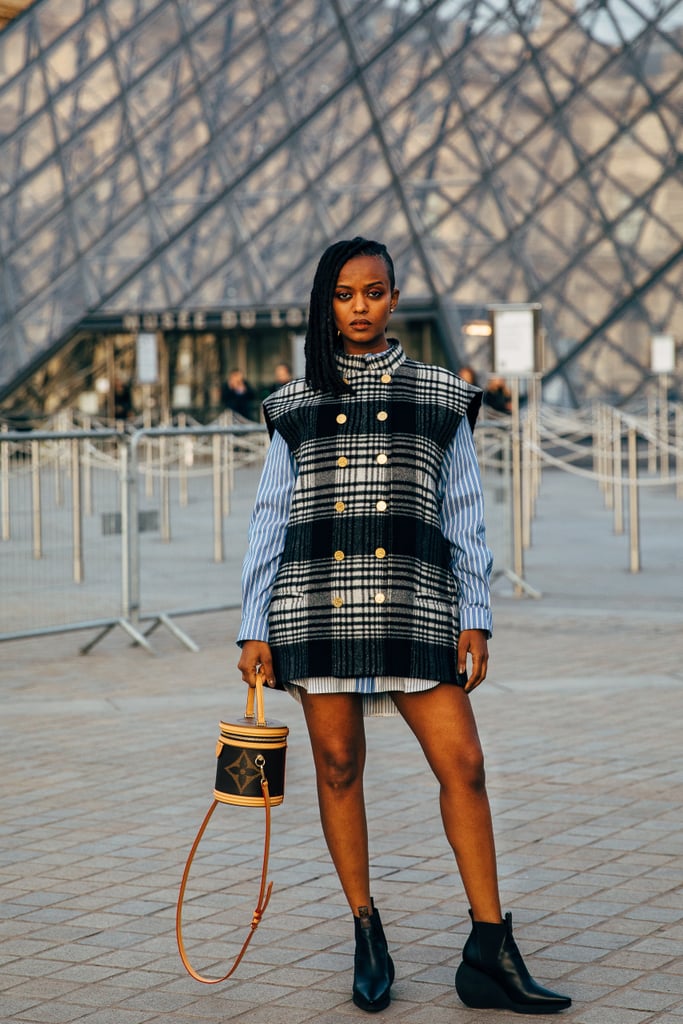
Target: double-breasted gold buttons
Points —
{"points": [[381, 504]]}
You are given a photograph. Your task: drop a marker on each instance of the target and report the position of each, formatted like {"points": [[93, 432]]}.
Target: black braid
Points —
{"points": [[321, 336]]}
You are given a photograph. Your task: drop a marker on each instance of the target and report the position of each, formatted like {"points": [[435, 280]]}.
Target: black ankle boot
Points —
{"points": [[373, 969], [493, 975]]}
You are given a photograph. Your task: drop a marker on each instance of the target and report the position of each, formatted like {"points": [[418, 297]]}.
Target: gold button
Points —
{"points": [[382, 416], [339, 556], [337, 602], [339, 506], [382, 459], [386, 378], [341, 418], [380, 553], [343, 461], [380, 598], [381, 506]]}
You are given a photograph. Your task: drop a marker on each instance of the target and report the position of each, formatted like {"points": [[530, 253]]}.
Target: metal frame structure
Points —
{"points": [[166, 155]]}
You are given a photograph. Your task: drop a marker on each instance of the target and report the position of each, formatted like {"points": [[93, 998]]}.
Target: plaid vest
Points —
{"points": [[364, 586]]}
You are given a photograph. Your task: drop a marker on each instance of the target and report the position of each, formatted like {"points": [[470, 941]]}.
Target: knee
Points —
{"points": [[468, 770], [339, 770], [473, 771]]}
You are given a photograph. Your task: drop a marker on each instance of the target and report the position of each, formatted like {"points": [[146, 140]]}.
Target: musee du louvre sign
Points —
{"points": [[197, 319]]}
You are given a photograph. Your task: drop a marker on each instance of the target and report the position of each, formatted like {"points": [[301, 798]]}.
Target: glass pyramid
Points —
{"points": [[199, 154]]}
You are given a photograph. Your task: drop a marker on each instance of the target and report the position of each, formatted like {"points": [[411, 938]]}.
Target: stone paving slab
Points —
{"points": [[107, 770]]}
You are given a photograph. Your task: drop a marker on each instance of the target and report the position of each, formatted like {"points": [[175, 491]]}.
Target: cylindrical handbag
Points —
{"points": [[250, 771], [247, 750]]}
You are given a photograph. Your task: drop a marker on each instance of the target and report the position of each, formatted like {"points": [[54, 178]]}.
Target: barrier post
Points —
{"points": [[664, 425], [217, 490], [618, 485], [164, 493], [4, 487], [77, 511], [184, 458], [36, 501], [130, 563], [86, 465], [527, 492], [652, 419], [535, 415], [595, 448], [607, 444], [678, 441], [633, 512], [130, 548], [228, 472]]}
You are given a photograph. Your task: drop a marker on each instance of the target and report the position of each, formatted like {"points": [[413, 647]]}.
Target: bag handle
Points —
{"points": [[260, 705], [266, 887]]}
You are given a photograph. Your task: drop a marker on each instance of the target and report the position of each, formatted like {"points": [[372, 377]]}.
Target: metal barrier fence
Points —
{"points": [[624, 453], [101, 529], [494, 452]]}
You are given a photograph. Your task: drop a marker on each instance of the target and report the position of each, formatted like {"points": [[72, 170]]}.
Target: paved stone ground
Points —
{"points": [[107, 769]]}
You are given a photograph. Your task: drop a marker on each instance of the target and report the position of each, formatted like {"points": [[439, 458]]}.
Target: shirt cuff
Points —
{"points": [[253, 630], [476, 618]]}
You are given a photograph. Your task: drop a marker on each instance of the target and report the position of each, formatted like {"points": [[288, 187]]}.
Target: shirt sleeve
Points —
{"points": [[462, 524], [267, 533]]}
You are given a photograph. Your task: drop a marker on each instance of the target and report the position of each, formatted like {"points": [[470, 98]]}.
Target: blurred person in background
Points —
{"points": [[123, 399], [468, 374], [282, 375], [237, 394], [497, 395]]}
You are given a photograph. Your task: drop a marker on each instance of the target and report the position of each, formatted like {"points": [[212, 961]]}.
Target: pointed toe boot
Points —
{"points": [[493, 974], [373, 969]]}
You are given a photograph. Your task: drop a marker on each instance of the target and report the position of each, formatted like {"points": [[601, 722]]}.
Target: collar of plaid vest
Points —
{"points": [[377, 362]]}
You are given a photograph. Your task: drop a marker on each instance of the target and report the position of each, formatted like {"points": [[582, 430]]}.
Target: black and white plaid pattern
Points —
{"points": [[364, 586]]}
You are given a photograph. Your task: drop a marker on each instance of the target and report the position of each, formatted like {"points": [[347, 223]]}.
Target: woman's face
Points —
{"points": [[363, 302]]}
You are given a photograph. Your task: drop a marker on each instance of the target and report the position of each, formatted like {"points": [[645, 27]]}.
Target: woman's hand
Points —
{"points": [[256, 657], [473, 642]]}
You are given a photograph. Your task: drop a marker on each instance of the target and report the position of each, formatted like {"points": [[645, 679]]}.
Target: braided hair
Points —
{"points": [[321, 336]]}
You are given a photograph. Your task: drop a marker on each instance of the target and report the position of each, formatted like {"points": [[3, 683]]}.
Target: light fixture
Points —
{"points": [[478, 329]]}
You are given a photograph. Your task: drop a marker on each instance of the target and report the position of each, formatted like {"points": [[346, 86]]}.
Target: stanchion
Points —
{"points": [[633, 509]]}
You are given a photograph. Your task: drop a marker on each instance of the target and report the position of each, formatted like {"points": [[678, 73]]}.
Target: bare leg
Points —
{"points": [[443, 722], [335, 726]]}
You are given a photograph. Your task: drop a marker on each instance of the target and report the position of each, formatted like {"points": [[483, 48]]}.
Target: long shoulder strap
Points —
{"points": [[263, 898]]}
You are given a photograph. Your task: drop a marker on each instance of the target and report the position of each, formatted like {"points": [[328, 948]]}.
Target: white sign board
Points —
{"points": [[147, 361], [663, 354], [513, 342]]}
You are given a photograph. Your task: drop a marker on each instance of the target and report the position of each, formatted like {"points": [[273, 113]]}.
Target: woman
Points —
{"points": [[365, 591]]}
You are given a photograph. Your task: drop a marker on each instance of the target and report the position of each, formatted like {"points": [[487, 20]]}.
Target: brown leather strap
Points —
{"points": [[263, 898]]}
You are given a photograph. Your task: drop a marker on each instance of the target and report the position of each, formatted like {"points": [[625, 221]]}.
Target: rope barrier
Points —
{"points": [[590, 474]]}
